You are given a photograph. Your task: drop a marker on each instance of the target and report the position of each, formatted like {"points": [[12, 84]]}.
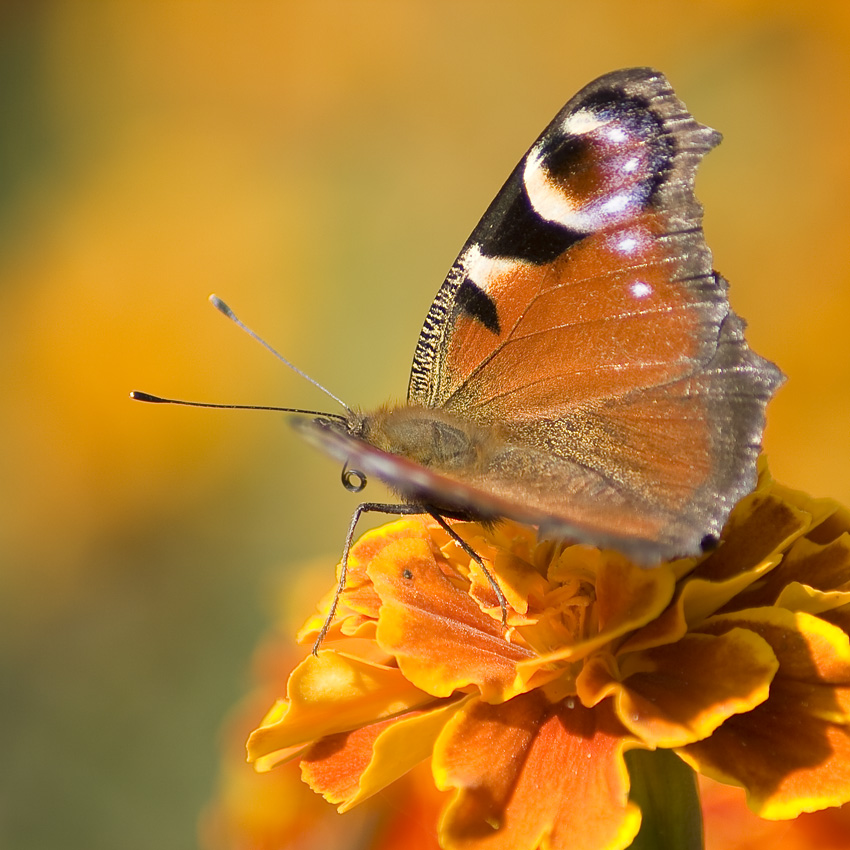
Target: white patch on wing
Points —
{"points": [[485, 271], [630, 241], [581, 122], [640, 289], [548, 201], [616, 203]]}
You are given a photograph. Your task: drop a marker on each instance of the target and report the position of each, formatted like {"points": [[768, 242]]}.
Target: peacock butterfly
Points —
{"points": [[580, 368]]}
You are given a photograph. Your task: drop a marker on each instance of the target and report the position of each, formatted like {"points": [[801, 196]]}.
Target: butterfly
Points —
{"points": [[580, 368]]}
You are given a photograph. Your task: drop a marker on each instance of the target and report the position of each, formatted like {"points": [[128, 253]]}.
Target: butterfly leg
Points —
{"points": [[366, 507], [503, 603]]}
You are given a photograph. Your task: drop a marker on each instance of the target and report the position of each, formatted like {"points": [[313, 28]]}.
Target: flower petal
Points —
{"points": [[508, 548], [760, 526], [792, 753], [332, 693], [439, 635], [627, 596], [333, 765], [828, 518], [757, 533], [824, 567], [697, 599], [680, 693], [801, 597], [529, 773], [349, 768], [359, 597]]}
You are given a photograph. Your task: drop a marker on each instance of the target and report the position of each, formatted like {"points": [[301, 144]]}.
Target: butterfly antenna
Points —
{"points": [[137, 395], [223, 308]]}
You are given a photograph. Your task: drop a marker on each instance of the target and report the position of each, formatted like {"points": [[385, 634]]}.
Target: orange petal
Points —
{"points": [[759, 530], [334, 693], [403, 745], [440, 637], [786, 766], [627, 596], [825, 567], [839, 617], [333, 765], [822, 566], [697, 599], [801, 597], [507, 549], [519, 581], [828, 518], [359, 597], [831, 526], [668, 627], [679, 693], [529, 774], [792, 753], [349, 768], [760, 526], [812, 653]]}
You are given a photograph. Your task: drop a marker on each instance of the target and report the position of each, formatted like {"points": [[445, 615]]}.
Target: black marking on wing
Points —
{"points": [[477, 304], [511, 228]]}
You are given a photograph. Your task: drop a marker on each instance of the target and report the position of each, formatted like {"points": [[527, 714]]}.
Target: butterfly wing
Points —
{"points": [[583, 319], [591, 496]]}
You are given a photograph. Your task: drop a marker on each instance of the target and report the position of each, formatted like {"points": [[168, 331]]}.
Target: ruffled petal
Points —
{"points": [[359, 600], [760, 526], [680, 693], [508, 549], [792, 753], [333, 693], [755, 537], [627, 597], [349, 768], [440, 637], [696, 599], [801, 597], [529, 773], [824, 567]]}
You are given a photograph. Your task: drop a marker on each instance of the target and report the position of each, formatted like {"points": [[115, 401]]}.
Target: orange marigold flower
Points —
{"points": [[738, 661]]}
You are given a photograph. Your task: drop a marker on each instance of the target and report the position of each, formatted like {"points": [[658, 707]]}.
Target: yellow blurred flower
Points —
{"points": [[738, 661]]}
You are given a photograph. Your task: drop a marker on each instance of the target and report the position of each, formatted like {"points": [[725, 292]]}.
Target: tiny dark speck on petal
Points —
{"points": [[407, 574]]}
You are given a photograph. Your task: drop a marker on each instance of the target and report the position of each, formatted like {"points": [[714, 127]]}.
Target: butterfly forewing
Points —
{"points": [[589, 262]]}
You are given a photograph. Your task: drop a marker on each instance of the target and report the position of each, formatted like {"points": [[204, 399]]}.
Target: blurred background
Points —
{"points": [[318, 165]]}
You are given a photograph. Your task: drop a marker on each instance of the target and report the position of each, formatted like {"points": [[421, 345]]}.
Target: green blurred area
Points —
{"points": [[318, 166]]}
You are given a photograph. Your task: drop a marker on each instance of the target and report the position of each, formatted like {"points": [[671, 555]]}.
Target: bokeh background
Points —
{"points": [[318, 165]]}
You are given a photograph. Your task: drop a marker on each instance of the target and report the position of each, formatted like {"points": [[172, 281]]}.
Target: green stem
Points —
{"points": [[665, 788]]}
